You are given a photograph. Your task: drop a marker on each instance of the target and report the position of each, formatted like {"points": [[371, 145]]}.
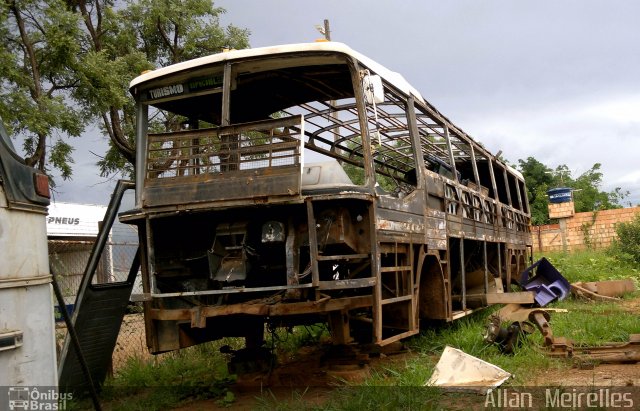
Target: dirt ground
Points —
{"points": [[311, 374], [603, 375], [308, 376]]}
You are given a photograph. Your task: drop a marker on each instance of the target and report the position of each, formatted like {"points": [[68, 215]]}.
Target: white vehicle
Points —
{"points": [[27, 342]]}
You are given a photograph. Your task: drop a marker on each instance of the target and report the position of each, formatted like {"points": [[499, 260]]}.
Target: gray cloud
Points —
{"points": [[554, 80]]}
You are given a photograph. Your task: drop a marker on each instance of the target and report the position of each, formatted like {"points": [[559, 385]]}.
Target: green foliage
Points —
{"points": [[587, 195], [193, 373], [38, 55], [176, 31], [538, 178], [355, 173], [61, 157], [65, 65], [199, 372], [586, 323], [627, 245], [592, 265], [594, 323], [290, 340]]}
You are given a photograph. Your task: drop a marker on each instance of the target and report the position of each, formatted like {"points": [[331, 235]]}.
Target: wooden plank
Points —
{"points": [[397, 299], [399, 337], [264, 309], [523, 297]]}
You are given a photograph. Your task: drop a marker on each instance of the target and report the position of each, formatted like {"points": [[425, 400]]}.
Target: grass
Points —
{"points": [[586, 323], [593, 265], [200, 372], [194, 373], [171, 379], [590, 323]]}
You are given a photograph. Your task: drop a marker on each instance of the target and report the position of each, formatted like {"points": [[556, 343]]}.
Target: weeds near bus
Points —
{"points": [[627, 245], [194, 373], [586, 265]]}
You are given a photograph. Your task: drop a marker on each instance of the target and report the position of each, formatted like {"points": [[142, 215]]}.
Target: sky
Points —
{"points": [[555, 80]]}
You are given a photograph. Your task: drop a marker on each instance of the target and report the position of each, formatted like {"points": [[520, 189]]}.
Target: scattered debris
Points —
{"points": [[521, 321], [516, 312], [541, 320], [507, 338], [507, 326], [459, 371], [548, 284], [603, 290], [607, 353]]}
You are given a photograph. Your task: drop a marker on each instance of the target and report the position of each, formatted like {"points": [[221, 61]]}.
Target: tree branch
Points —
{"points": [[35, 88], [165, 36], [176, 38], [97, 44], [117, 135]]}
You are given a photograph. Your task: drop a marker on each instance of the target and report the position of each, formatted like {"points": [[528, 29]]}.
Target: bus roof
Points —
{"points": [[395, 79]]}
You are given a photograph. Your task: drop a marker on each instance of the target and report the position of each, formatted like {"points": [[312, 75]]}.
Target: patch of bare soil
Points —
{"points": [[631, 305], [307, 377], [603, 375]]}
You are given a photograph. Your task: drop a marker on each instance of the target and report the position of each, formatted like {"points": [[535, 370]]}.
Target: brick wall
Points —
{"points": [[582, 230], [561, 210]]}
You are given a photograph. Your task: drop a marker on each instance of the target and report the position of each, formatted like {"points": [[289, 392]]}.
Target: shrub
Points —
{"points": [[628, 242]]}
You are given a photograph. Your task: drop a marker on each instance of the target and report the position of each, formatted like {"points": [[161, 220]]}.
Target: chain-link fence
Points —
{"points": [[69, 255]]}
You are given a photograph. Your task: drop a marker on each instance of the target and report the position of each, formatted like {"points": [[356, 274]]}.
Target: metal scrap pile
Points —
{"points": [[508, 326]]}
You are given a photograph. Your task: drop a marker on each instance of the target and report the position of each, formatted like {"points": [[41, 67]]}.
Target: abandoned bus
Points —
{"points": [[306, 183]]}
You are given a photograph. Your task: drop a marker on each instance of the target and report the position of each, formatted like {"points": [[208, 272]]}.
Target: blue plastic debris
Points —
{"points": [[545, 281]]}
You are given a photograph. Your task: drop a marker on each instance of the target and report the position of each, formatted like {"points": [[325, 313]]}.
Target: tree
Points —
{"points": [[68, 63], [38, 57], [538, 178], [587, 194], [143, 35]]}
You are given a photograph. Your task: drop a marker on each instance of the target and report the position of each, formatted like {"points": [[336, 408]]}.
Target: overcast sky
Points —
{"points": [[556, 80]]}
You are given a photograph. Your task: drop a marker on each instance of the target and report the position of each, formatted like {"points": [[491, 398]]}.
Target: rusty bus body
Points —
{"points": [[304, 183]]}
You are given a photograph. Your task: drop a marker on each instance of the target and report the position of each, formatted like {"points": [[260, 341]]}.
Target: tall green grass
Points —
{"points": [[597, 265], [198, 372]]}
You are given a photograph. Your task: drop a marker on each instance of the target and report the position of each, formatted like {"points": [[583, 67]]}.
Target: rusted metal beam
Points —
{"points": [[261, 309], [608, 353], [292, 261], [344, 284], [146, 297]]}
